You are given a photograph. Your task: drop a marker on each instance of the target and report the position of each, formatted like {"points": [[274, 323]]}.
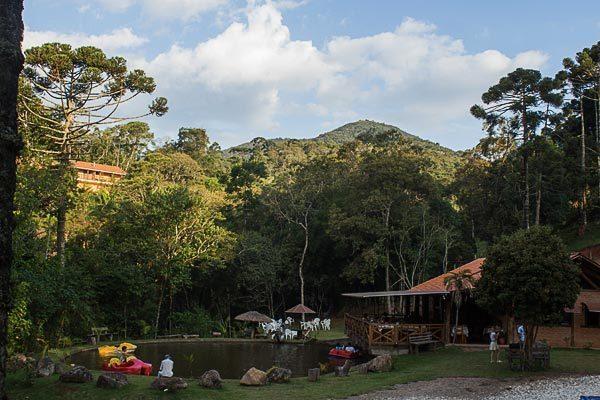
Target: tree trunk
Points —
{"points": [[11, 64], [583, 205], [158, 307], [301, 265], [61, 231], [387, 265], [526, 207], [538, 202]]}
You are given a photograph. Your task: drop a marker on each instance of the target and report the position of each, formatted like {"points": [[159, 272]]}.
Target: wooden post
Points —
{"points": [[314, 374], [447, 316]]}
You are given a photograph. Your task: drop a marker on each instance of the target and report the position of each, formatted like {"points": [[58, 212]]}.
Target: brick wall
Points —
{"points": [[560, 336]]}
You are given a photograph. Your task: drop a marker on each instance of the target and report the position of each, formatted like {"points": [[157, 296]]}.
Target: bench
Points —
{"points": [[515, 357], [415, 340]]}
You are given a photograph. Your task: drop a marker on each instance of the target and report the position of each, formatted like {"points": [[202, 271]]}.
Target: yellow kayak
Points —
{"points": [[106, 351]]}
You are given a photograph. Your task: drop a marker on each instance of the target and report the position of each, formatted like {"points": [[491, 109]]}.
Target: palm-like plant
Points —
{"points": [[456, 283]]}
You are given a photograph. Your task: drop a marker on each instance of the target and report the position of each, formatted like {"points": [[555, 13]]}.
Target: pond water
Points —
{"points": [[231, 359]]}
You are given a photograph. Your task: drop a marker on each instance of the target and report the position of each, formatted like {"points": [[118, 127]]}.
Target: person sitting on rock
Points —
{"points": [[350, 348], [166, 367]]}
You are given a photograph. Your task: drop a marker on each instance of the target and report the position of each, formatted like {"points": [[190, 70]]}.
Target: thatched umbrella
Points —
{"points": [[253, 316], [300, 309]]}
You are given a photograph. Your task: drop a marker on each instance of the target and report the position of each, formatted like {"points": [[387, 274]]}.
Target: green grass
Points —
{"points": [[426, 366]]}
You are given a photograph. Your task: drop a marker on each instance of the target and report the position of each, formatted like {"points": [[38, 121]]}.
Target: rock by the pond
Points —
{"points": [[60, 368], [381, 363], [313, 374], [77, 374], [254, 377], [211, 379], [172, 384], [279, 375], [110, 380], [44, 367], [363, 368], [344, 370]]}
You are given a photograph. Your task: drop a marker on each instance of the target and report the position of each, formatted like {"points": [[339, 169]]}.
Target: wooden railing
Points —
{"points": [[367, 334]]}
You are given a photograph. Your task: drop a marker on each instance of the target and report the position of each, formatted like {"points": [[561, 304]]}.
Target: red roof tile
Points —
{"points": [[437, 283], [110, 169]]}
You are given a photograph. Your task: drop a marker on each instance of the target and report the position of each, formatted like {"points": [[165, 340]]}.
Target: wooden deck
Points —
{"points": [[368, 334]]}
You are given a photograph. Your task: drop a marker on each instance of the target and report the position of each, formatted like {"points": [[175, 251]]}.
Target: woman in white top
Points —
{"points": [[494, 351]]}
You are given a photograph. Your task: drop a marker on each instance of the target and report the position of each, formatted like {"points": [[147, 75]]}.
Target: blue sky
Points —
{"points": [[296, 68]]}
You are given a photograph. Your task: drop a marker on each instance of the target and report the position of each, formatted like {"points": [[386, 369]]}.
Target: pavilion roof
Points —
{"points": [[110, 169], [391, 293], [438, 283]]}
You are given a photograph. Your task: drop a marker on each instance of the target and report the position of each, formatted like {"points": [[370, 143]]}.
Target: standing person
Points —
{"points": [[494, 351], [166, 367], [521, 332]]}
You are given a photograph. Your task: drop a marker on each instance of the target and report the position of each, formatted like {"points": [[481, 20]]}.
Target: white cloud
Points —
{"points": [[254, 76], [168, 9], [123, 38]]}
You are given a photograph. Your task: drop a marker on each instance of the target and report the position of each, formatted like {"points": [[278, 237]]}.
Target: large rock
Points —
{"points": [[381, 363], [279, 375], [211, 379], [44, 367], [77, 374], [110, 380], [254, 377], [172, 384], [343, 370]]}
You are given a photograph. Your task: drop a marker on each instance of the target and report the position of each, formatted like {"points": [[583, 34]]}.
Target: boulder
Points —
{"points": [[211, 379], [381, 363], [77, 374], [362, 368], [279, 375], [172, 384], [60, 368], [44, 367], [254, 377], [313, 374], [110, 380], [344, 370]]}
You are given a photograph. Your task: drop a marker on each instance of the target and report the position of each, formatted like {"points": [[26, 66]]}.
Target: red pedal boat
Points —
{"points": [[343, 353], [133, 366]]}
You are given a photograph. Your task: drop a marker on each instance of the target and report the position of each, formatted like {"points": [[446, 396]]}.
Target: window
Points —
{"points": [[591, 318]]}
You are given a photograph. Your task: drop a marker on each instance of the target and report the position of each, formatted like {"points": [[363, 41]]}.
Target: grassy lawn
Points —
{"points": [[426, 366]]}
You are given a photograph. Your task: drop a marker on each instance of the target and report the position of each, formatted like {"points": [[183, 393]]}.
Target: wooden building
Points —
{"points": [[95, 176], [428, 307]]}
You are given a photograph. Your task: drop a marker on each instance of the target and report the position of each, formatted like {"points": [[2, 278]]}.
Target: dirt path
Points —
{"points": [[484, 388]]}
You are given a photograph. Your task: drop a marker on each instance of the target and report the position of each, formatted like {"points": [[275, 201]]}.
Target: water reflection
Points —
{"points": [[230, 359]]}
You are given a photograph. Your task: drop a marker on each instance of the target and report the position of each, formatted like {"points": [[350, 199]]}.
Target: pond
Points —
{"points": [[231, 359]]}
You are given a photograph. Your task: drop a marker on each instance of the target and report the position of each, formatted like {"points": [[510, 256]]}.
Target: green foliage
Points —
{"points": [[196, 321], [529, 275], [20, 326]]}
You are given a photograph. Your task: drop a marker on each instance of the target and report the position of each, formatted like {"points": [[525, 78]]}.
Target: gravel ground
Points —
{"points": [[564, 388]]}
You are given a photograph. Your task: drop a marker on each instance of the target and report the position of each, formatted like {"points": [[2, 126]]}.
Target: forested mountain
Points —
{"points": [[193, 234], [280, 152]]}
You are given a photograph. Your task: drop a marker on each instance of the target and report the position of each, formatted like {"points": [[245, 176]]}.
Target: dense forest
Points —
{"points": [[194, 234]]}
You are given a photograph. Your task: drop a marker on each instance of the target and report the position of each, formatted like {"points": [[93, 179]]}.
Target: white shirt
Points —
{"points": [[166, 368]]}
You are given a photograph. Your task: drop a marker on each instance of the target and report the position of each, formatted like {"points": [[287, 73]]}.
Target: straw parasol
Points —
{"points": [[253, 316], [300, 309]]}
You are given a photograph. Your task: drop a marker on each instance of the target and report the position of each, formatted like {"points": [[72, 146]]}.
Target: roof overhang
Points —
{"points": [[392, 293]]}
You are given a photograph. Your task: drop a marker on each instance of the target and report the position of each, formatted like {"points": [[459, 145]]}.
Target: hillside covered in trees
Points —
{"points": [[194, 234]]}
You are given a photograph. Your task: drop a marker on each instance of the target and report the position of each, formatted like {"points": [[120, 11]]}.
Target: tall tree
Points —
{"points": [[458, 284], [583, 75], [11, 64], [78, 90], [529, 276], [515, 107]]}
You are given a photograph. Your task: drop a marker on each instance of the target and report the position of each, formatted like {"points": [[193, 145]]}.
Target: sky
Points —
{"points": [[297, 68]]}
